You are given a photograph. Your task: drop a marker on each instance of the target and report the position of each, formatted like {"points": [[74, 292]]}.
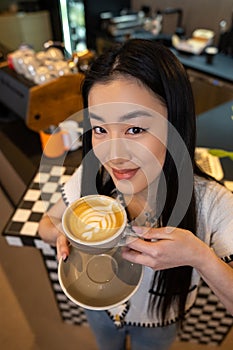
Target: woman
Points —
{"points": [[139, 147]]}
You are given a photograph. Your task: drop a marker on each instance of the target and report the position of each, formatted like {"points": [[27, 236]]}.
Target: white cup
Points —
{"points": [[94, 223], [71, 134]]}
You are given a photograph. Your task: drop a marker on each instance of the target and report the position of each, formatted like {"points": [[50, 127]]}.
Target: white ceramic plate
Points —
{"points": [[98, 282]]}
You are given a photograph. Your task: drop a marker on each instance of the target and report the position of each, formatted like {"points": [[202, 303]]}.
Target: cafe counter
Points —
{"points": [[221, 68]]}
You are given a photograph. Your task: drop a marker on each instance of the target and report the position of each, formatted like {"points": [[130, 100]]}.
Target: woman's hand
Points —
{"points": [[62, 247], [50, 230], [165, 247], [171, 247]]}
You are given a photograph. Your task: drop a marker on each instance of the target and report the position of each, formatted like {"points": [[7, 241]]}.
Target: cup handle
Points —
{"points": [[79, 130], [127, 234], [80, 133]]}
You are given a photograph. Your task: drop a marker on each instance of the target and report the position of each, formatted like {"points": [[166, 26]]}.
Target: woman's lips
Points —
{"points": [[124, 174]]}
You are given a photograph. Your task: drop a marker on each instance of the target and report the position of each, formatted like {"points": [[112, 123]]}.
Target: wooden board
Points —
{"points": [[53, 102]]}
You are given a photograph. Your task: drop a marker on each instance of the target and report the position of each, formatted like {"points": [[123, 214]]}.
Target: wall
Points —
{"points": [[31, 28], [6, 4], [196, 13]]}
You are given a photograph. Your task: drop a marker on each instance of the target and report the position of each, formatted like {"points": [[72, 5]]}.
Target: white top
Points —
{"points": [[214, 227]]}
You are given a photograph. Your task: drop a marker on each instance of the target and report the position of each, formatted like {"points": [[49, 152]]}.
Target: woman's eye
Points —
{"points": [[99, 130], [135, 130]]}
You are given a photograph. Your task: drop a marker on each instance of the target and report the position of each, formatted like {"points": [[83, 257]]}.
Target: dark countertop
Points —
{"points": [[221, 68], [215, 130], [215, 127]]}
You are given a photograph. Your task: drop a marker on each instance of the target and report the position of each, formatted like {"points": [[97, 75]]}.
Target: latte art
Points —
{"points": [[96, 220]]}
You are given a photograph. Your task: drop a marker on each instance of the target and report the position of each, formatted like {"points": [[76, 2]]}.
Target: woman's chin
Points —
{"points": [[125, 187]]}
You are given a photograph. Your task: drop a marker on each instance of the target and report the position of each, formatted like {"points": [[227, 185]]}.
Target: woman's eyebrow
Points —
{"points": [[128, 116], [96, 117]]}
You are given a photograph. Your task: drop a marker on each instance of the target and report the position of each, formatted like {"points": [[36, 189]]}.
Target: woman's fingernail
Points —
{"points": [[64, 257]]}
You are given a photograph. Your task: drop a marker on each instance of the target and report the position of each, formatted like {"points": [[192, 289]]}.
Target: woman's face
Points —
{"points": [[129, 133]]}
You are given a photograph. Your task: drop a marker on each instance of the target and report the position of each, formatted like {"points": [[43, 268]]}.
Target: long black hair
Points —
{"points": [[157, 68]]}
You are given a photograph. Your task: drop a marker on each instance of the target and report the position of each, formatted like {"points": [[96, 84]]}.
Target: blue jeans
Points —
{"points": [[141, 338]]}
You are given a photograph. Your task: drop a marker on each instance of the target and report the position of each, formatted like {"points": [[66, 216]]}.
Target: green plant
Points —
{"points": [[220, 153]]}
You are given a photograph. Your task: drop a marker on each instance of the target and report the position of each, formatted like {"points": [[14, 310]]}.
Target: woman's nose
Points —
{"points": [[119, 149]]}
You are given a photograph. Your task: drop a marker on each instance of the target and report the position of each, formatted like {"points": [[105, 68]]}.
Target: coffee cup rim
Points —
{"points": [[83, 243]]}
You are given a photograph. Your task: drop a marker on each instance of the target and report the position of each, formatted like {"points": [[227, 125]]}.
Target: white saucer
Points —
{"points": [[98, 282]]}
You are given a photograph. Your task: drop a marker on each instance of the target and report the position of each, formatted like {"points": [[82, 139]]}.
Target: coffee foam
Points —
{"points": [[96, 220]]}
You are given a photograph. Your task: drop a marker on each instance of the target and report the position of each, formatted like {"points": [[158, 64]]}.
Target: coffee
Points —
{"points": [[95, 219]]}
